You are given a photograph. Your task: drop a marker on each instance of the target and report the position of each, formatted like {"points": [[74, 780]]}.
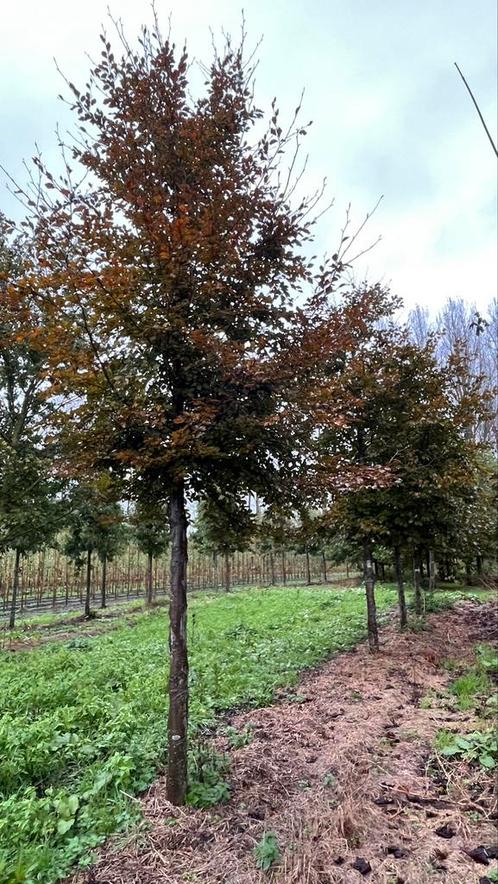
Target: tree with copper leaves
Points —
{"points": [[183, 315]]}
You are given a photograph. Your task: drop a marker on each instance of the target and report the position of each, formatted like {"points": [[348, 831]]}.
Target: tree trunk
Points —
{"points": [[15, 588], [149, 590], [227, 572], [88, 583], [324, 566], [468, 572], [479, 564], [403, 619], [432, 571], [103, 586], [368, 572], [284, 572], [417, 582], [308, 569], [272, 567], [178, 673]]}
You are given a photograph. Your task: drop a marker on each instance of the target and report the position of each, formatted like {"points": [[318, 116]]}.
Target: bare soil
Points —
{"points": [[339, 771]]}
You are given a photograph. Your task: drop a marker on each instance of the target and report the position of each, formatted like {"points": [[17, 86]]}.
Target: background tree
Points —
{"points": [[94, 525], [151, 532], [308, 538], [224, 527], [29, 508]]}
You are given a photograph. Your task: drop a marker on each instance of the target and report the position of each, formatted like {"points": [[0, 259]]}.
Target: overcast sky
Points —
{"points": [[391, 116]]}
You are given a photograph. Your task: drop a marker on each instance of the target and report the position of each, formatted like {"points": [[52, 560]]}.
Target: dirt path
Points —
{"points": [[339, 773]]}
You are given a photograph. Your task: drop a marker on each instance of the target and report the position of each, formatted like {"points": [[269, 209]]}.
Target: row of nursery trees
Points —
{"points": [[168, 337]]}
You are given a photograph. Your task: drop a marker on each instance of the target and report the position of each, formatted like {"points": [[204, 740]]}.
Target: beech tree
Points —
{"points": [[183, 315]]}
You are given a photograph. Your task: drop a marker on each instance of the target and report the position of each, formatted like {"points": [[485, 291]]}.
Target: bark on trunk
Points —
{"points": [[15, 588], [479, 564], [103, 585], [368, 571], [324, 567], [150, 581], [284, 572], [417, 582], [178, 673], [308, 569], [432, 571], [272, 568], [403, 619], [88, 582], [227, 572]]}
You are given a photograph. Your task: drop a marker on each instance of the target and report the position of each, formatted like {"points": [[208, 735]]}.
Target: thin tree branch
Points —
{"points": [[469, 90]]}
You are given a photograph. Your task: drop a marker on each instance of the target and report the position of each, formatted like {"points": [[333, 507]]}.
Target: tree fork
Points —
{"points": [[178, 673]]}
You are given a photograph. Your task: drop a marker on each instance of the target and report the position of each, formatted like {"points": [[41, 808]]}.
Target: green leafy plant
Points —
{"points": [[478, 747], [207, 777], [487, 658], [267, 852], [238, 739]]}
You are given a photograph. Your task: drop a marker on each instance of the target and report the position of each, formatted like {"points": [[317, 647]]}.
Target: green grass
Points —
{"points": [[83, 723], [469, 688]]}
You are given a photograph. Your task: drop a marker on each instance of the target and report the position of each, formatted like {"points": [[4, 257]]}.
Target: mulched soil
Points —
{"points": [[339, 772]]}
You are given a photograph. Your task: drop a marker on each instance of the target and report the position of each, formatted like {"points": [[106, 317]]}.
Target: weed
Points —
{"points": [[478, 747], [450, 665], [487, 657], [329, 780], [238, 739], [427, 702], [267, 851], [207, 770], [469, 688]]}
